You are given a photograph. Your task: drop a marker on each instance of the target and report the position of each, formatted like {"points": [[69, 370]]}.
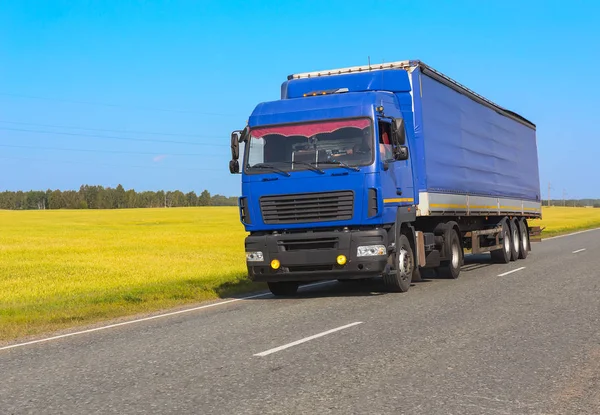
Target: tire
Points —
{"points": [[402, 264], [515, 239], [524, 239], [283, 288], [503, 255], [451, 269]]}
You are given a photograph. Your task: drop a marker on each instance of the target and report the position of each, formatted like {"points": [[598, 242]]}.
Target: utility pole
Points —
{"points": [[549, 187], [564, 193]]}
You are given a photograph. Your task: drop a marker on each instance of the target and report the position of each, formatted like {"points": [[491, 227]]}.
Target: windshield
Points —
{"points": [[322, 144]]}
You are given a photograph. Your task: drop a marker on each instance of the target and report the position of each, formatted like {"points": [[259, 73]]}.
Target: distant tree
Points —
{"points": [[204, 198], [160, 199], [131, 199], [219, 200], [119, 197], [191, 199], [56, 200]]}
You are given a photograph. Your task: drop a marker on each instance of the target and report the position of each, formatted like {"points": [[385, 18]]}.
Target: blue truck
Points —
{"points": [[381, 171]]}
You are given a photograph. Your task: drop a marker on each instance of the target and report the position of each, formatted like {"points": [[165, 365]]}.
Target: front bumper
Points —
{"points": [[310, 256]]}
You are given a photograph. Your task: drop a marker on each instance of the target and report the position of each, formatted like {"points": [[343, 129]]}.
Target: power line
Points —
{"points": [[155, 167], [105, 151], [103, 130], [113, 137], [105, 104]]}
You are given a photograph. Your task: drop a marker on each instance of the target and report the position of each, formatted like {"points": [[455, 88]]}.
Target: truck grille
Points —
{"points": [[307, 207]]}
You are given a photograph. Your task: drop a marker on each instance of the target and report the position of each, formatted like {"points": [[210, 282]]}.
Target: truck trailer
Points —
{"points": [[381, 171]]}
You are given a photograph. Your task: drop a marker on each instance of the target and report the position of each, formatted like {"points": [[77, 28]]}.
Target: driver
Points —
{"points": [[364, 147]]}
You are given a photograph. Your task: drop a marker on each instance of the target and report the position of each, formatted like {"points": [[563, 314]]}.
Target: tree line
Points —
{"points": [[99, 197], [573, 202]]}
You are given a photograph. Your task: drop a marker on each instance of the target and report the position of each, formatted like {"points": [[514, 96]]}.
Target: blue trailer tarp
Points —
{"points": [[470, 148]]}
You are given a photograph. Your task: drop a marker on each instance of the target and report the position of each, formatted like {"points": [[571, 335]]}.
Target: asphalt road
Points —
{"points": [[527, 342]]}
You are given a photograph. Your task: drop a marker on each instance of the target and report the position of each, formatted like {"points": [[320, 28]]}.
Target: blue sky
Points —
{"points": [[194, 70]]}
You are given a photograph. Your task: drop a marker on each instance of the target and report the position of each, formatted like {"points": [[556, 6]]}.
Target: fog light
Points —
{"points": [[275, 264], [254, 256], [371, 250], [341, 259]]}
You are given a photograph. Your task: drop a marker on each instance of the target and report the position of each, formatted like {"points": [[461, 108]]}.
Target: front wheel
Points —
{"points": [[283, 288], [403, 265]]}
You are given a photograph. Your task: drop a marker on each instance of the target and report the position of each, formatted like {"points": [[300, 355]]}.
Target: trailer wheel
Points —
{"points": [[451, 268], [403, 264], [283, 288], [524, 239], [503, 255], [515, 239]]}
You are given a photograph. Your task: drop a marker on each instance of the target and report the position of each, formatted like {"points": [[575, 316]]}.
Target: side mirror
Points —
{"points": [[399, 133], [234, 167], [401, 153], [235, 145]]}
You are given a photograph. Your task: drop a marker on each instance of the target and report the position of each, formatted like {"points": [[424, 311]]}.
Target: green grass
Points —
{"points": [[62, 268], [561, 220]]}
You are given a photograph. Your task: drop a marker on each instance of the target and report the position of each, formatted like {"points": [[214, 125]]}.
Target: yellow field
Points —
{"points": [[559, 220], [64, 268], [61, 268]]}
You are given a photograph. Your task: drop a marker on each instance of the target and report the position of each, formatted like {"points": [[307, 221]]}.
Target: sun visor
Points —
{"points": [[310, 129]]}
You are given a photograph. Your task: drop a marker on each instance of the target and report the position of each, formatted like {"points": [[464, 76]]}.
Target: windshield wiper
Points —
{"points": [[310, 166], [270, 167], [340, 163]]}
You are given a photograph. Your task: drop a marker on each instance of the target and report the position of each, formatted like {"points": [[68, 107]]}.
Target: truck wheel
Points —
{"points": [[451, 268], [283, 288], [503, 255], [398, 280], [524, 239], [515, 239]]}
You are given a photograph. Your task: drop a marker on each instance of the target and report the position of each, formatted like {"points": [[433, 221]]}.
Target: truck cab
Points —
{"points": [[324, 171]]}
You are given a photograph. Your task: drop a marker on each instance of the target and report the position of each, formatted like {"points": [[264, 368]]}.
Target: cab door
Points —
{"points": [[396, 174]]}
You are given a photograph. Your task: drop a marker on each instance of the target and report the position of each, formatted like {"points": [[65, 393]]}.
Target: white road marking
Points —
{"points": [[306, 339], [579, 250], [570, 234], [173, 313], [510, 272]]}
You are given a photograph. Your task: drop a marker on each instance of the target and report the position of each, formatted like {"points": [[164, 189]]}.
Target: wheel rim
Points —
{"points": [[404, 264], [455, 256], [525, 241], [507, 242], [516, 240]]}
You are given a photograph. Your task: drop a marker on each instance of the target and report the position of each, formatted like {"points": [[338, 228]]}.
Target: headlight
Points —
{"points": [[254, 256], [371, 250]]}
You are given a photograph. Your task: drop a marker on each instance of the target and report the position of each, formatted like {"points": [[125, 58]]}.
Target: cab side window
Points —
{"points": [[385, 141]]}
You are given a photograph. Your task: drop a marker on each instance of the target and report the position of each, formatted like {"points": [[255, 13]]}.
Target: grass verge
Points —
{"points": [[64, 268]]}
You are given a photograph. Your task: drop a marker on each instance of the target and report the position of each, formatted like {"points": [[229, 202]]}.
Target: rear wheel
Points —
{"points": [[503, 255], [451, 268], [524, 239], [283, 288], [403, 265], [515, 239]]}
